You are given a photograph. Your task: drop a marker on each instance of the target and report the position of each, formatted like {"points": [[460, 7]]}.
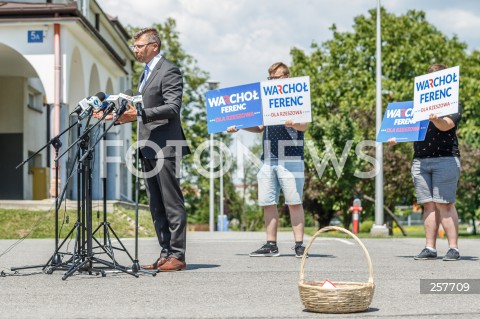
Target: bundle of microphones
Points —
{"points": [[116, 103]]}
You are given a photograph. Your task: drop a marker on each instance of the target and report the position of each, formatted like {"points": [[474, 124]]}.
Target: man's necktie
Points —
{"points": [[143, 78]]}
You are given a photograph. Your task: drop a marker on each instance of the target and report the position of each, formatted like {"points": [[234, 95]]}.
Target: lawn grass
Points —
{"points": [[17, 223]]}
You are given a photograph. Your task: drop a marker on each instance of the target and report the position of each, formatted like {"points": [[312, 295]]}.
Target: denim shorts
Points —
{"points": [[436, 179], [274, 175]]}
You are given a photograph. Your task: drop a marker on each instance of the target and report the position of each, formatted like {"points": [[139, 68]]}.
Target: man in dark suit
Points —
{"points": [[163, 144]]}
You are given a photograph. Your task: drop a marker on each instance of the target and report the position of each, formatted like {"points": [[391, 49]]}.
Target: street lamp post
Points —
{"points": [[212, 86], [212, 188], [379, 227], [220, 215]]}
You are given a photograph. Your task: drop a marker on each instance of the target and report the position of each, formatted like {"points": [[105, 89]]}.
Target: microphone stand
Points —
{"points": [[90, 258], [55, 259], [81, 255], [136, 266], [79, 247], [104, 187]]}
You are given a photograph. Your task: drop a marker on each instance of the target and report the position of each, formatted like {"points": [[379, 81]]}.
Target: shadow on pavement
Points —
{"points": [[292, 255], [370, 309], [201, 266], [465, 258]]}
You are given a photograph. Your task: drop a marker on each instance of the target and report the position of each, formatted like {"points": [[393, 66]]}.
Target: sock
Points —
{"points": [[431, 249], [271, 242], [298, 243], [454, 248]]}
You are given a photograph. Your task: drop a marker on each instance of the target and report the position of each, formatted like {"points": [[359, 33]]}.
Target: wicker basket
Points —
{"points": [[347, 297]]}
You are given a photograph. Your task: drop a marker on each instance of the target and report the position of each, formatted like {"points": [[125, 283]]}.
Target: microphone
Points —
{"points": [[138, 102], [104, 103], [97, 100], [112, 103], [82, 105], [94, 102], [123, 99], [101, 104]]}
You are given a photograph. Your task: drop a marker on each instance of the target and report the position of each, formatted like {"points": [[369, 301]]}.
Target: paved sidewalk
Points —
{"points": [[222, 281], [49, 204]]}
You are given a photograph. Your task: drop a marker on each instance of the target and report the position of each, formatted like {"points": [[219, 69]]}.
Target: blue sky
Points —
{"points": [[236, 40]]}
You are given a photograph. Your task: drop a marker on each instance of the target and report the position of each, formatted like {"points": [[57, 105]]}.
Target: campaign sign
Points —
{"points": [[239, 105], [285, 99], [436, 93], [398, 122]]}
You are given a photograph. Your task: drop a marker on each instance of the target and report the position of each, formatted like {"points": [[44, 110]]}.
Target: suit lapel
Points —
{"points": [[155, 71]]}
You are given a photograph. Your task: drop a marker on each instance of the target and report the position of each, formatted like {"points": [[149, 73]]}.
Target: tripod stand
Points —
{"points": [[86, 262], [89, 259], [107, 246], [109, 249], [79, 248]]}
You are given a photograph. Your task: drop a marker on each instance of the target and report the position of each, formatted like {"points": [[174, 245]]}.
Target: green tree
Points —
{"points": [[468, 194], [343, 72]]}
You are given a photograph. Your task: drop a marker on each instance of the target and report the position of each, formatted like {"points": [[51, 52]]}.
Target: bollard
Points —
{"points": [[355, 209]]}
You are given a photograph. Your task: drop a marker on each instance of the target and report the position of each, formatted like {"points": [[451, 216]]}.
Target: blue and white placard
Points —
{"points": [[436, 93], [398, 123], [239, 105], [285, 99]]}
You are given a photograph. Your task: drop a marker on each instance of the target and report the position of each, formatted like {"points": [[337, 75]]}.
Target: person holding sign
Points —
{"points": [[435, 172], [282, 169]]}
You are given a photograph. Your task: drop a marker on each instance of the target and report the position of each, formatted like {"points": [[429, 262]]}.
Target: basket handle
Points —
{"points": [[326, 229]]}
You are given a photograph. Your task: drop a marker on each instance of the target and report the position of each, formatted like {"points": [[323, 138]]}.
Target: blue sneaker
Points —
{"points": [[452, 254], [426, 254]]}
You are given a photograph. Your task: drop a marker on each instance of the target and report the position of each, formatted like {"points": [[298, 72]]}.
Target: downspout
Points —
{"points": [[56, 103]]}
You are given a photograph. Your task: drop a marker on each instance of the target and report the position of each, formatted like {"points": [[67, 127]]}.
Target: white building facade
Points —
{"points": [[53, 54]]}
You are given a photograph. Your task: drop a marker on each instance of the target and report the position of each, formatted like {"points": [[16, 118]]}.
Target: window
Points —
{"points": [[35, 100], [97, 21], [35, 161]]}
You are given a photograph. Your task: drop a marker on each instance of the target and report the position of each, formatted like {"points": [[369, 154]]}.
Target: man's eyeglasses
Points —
{"points": [[140, 46], [277, 77]]}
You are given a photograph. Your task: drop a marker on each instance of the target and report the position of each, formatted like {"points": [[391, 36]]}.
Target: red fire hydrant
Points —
{"points": [[356, 209]]}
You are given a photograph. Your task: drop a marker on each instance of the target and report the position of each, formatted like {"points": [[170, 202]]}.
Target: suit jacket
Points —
{"points": [[161, 124]]}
